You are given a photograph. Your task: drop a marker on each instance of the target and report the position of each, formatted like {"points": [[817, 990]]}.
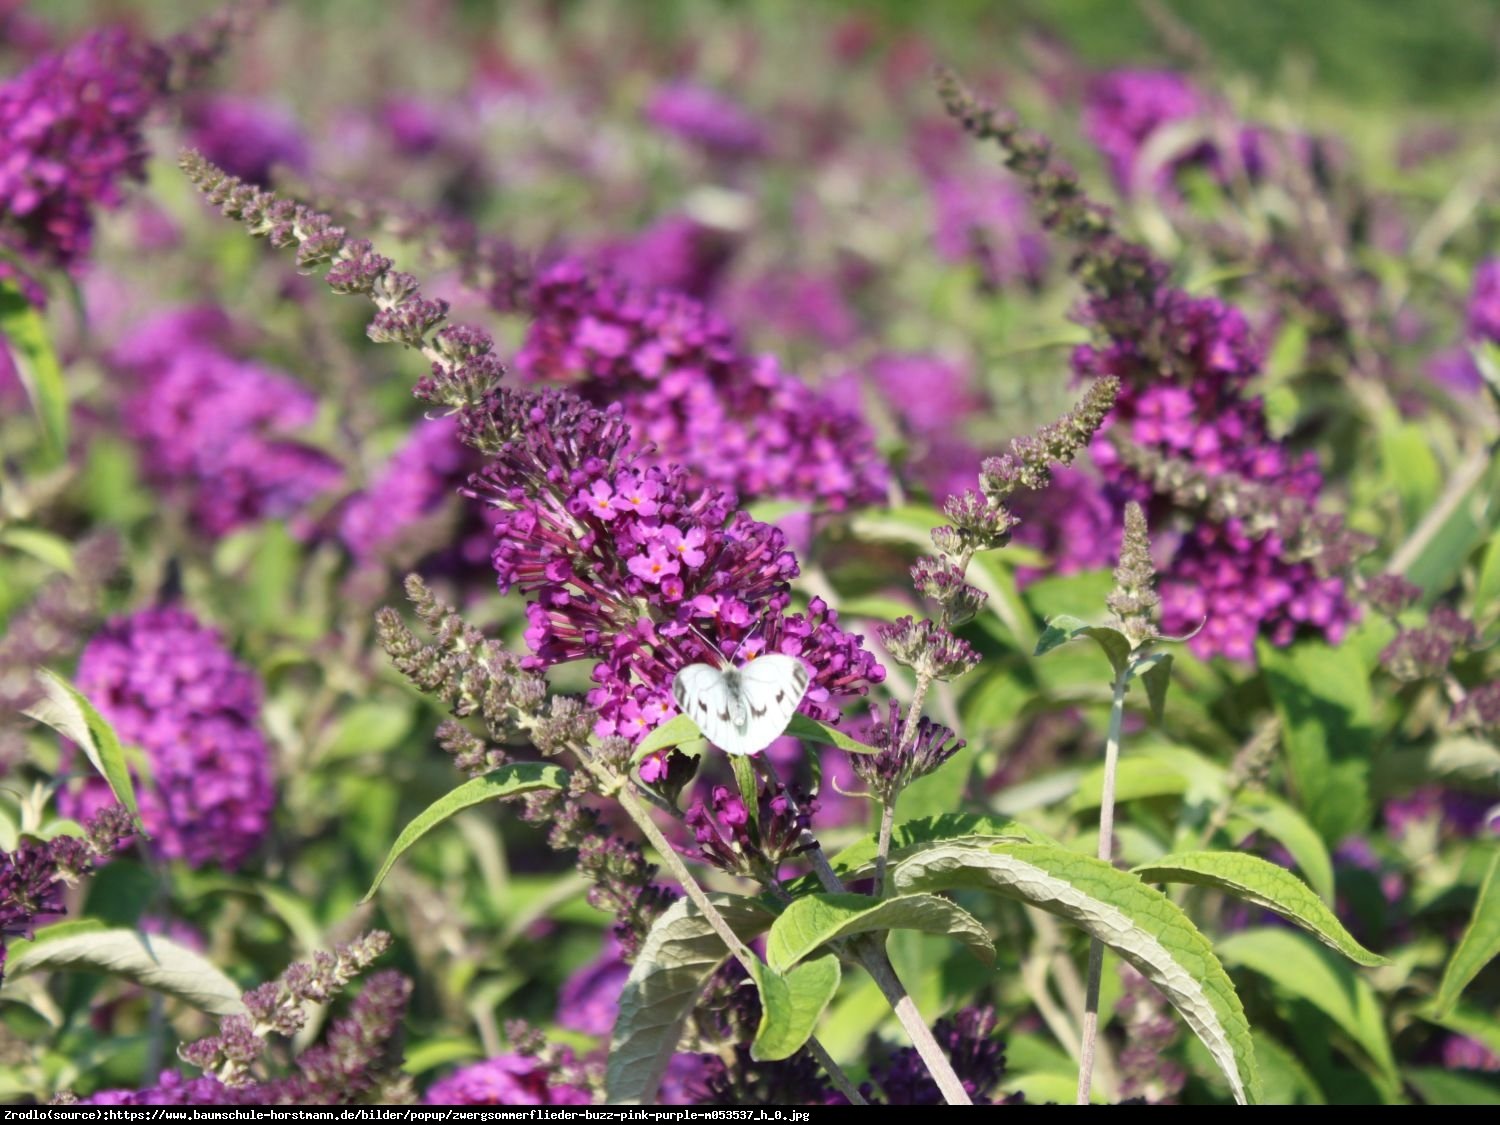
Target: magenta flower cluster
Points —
{"points": [[1187, 400], [631, 565], [216, 430], [169, 686], [72, 126], [693, 396]]}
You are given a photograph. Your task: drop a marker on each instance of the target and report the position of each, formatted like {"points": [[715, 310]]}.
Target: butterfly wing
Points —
{"points": [[772, 686], [703, 694]]}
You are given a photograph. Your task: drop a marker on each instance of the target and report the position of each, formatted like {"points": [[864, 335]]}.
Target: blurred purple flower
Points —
{"points": [[427, 470], [217, 429], [505, 1080], [676, 252], [706, 118], [168, 685], [72, 129], [247, 137], [1124, 108], [590, 998], [1460, 1052]]}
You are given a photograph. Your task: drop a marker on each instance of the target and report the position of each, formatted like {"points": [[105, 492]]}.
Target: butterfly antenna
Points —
{"points": [[708, 644]]}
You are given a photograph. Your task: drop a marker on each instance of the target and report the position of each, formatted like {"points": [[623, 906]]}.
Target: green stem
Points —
{"points": [[638, 812], [1090, 1030], [870, 953]]}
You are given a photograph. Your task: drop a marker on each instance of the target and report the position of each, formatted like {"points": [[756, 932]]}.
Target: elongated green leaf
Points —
{"points": [[507, 781], [1447, 1087], [677, 957], [65, 710], [1322, 695], [810, 730], [1285, 1079], [791, 1004], [1060, 630], [368, 729], [1479, 945], [745, 781], [1292, 831], [859, 858], [24, 331], [1304, 969], [1263, 883], [53, 932], [1138, 922], [1157, 677], [816, 920], [150, 960], [51, 549]]}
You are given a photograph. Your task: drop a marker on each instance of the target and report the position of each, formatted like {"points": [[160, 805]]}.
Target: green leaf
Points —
{"points": [[1137, 777], [1157, 677], [1285, 1079], [859, 858], [23, 329], [810, 730], [1487, 589], [1263, 883], [53, 550], [65, 709], [150, 960], [1449, 1087], [507, 781], [53, 932], [1479, 945], [1306, 970], [673, 732], [1292, 831], [1138, 922], [1322, 695], [816, 920], [678, 956], [372, 727], [745, 781], [1060, 630], [790, 1006]]}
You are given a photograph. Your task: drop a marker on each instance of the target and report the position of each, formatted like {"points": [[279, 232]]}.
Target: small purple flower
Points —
{"points": [[168, 685]]}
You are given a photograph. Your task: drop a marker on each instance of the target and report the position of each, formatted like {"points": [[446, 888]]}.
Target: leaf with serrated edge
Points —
{"points": [[816, 920], [1479, 945], [679, 954], [1138, 922], [1305, 969], [149, 960], [1292, 831], [1263, 883], [67, 710], [507, 781], [791, 1005]]}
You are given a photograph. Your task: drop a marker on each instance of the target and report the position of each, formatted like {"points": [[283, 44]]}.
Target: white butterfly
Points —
{"points": [[742, 710]]}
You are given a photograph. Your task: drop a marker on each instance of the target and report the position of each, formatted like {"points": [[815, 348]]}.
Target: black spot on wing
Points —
{"points": [[757, 712], [703, 707], [724, 715]]}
